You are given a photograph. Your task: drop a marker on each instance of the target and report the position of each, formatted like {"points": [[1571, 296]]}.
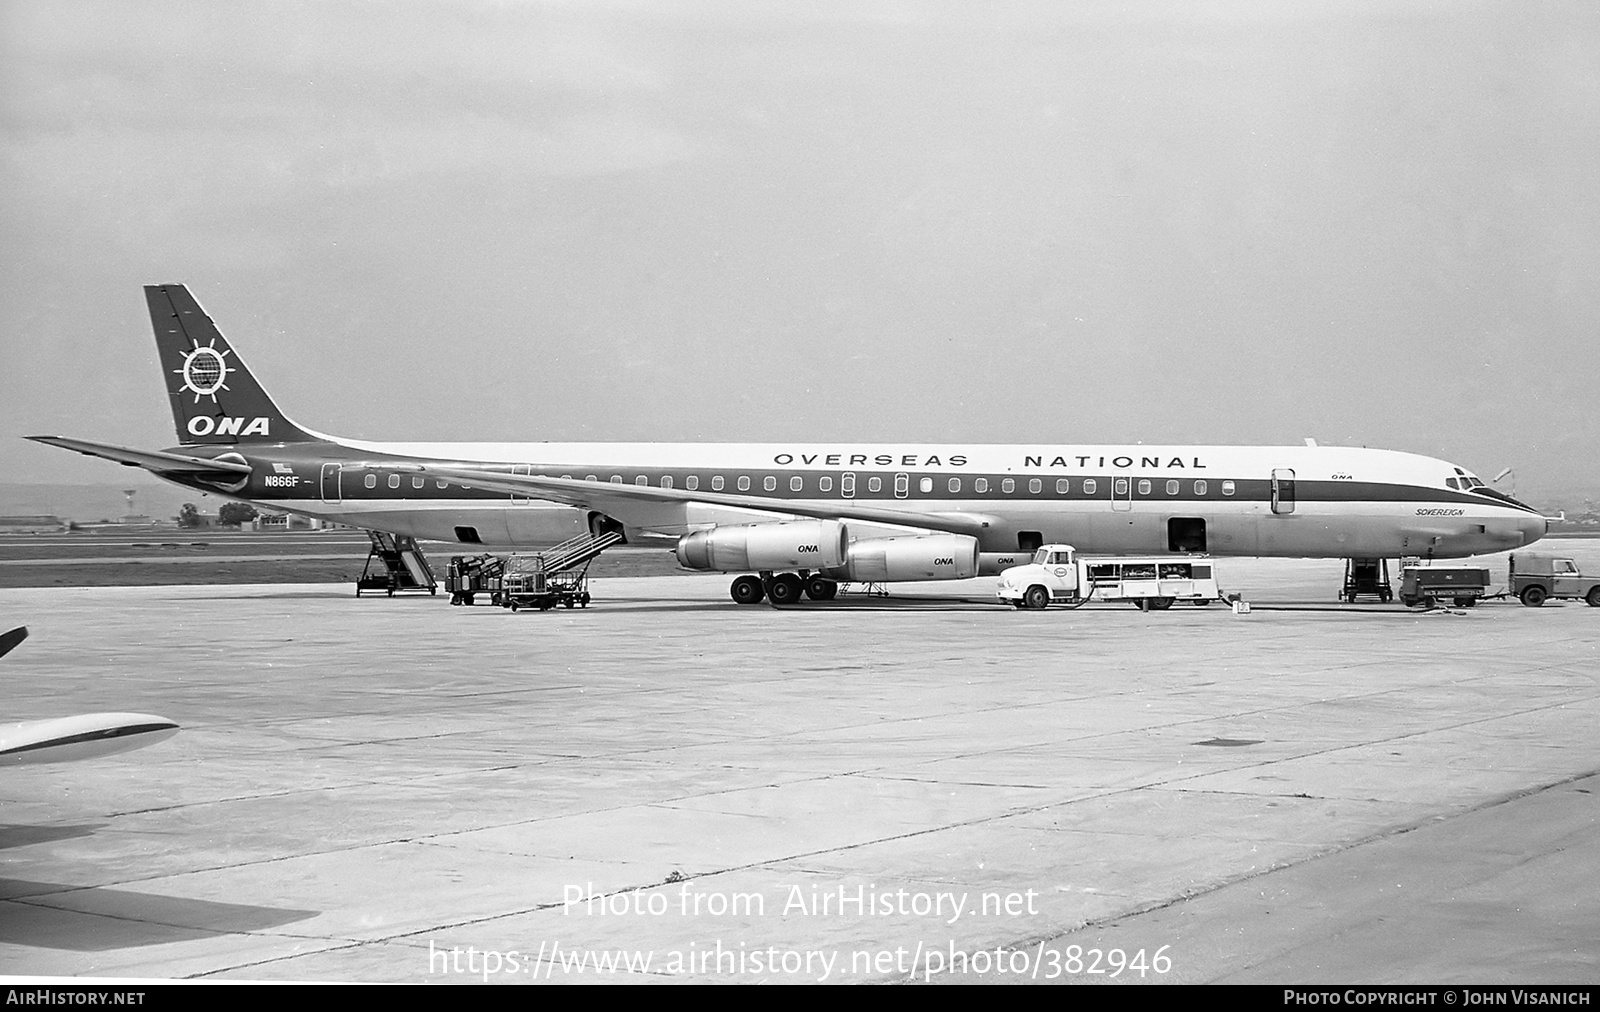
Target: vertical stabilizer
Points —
{"points": [[214, 397]]}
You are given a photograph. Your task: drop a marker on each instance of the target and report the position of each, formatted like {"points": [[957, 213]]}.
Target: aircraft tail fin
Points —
{"points": [[215, 399]]}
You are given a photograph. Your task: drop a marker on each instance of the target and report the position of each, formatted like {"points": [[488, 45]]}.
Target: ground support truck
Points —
{"points": [[1058, 573]]}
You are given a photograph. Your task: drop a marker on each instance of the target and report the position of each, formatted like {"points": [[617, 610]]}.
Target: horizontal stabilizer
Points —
{"points": [[84, 736], [151, 460]]}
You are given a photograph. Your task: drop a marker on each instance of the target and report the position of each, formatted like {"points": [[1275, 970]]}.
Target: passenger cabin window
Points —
{"points": [[1089, 486], [902, 485], [442, 484], [643, 479], [847, 485], [716, 483], [1144, 486], [394, 481], [925, 485], [371, 481], [825, 484], [1035, 486], [874, 484], [1120, 487], [955, 484], [744, 483], [980, 485], [616, 479], [417, 483], [1227, 487], [1172, 487], [591, 477], [1063, 486], [666, 481], [692, 482], [1008, 485], [1200, 488], [769, 483], [796, 483]]}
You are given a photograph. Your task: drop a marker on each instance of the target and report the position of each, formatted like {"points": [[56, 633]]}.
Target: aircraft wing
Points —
{"points": [[615, 500], [83, 736], [150, 460]]}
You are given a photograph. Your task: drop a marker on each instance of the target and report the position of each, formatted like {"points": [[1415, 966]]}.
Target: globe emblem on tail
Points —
{"points": [[205, 372]]}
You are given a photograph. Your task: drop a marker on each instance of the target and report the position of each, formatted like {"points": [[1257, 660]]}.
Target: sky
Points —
{"points": [[1368, 223]]}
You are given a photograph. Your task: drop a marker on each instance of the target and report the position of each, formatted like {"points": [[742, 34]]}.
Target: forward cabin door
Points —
{"points": [[1283, 490]]}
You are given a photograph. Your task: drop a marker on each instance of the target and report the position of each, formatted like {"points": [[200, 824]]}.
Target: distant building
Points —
{"points": [[37, 524]]}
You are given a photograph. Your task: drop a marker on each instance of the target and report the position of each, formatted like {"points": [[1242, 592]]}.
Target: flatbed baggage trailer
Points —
{"points": [[469, 576]]}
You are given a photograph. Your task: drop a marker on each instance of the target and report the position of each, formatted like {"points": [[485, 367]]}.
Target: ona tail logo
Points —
{"points": [[205, 425], [205, 372]]}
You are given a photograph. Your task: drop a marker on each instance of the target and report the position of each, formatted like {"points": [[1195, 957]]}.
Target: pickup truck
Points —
{"points": [[1537, 578]]}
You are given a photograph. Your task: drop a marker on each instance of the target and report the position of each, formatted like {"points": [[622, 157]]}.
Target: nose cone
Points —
{"points": [[1533, 528]]}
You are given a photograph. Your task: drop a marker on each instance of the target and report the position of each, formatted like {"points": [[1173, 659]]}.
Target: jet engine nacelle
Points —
{"points": [[805, 544], [932, 557]]}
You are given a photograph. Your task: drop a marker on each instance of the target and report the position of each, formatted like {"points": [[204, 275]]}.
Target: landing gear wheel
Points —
{"points": [[820, 588], [1037, 598], [747, 590], [1534, 596], [786, 589]]}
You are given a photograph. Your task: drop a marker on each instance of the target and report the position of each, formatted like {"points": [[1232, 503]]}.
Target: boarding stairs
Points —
{"points": [[401, 566]]}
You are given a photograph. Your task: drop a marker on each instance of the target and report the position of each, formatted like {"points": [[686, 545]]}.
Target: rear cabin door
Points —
{"points": [[330, 482]]}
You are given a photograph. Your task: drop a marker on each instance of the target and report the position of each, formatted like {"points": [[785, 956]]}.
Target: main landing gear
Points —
{"points": [[783, 588]]}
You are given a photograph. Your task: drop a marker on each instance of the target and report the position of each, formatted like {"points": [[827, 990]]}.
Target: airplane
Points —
{"points": [[798, 519], [82, 736]]}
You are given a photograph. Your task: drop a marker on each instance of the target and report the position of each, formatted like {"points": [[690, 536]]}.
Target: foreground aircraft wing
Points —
{"points": [[607, 496], [150, 460], [84, 736]]}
